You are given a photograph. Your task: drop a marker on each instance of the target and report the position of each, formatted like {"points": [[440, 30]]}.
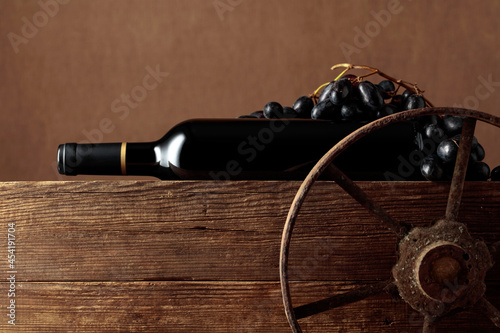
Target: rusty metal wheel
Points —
{"points": [[429, 257]]}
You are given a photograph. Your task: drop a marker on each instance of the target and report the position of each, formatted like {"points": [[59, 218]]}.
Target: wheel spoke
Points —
{"points": [[489, 310], [457, 182], [429, 324], [342, 299], [400, 229]]}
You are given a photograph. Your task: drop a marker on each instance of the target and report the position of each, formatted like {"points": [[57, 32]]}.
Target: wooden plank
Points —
{"points": [[197, 306], [110, 231], [149, 256]]}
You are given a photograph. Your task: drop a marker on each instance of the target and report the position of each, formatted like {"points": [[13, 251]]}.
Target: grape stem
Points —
{"points": [[372, 71]]}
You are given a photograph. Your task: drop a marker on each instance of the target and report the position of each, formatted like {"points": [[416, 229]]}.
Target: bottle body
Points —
{"points": [[232, 149]]}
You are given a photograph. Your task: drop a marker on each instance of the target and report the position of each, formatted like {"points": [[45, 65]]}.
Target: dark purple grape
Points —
{"points": [[289, 112], [495, 174], [452, 125], [325, 94], [347, 113], [414, 102], [351, 110], [273, 110], [478, 153], [258, 114], [434, 119], [353, 78], [303, 105], [382, 92], [407, 93], [447, 151], [341, 90], [387, 88], [325, 110], [431, 168], [434, 132], [370, 96], [478, 171], [387, 85], [473, 158], [419, 140], [386, 110]]}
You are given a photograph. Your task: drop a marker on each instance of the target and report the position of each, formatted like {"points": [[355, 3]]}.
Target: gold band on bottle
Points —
{"points": [[123, 155]]}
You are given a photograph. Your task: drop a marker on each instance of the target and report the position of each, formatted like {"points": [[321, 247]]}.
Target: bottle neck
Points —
{"points": [[139, 158], [108, 159]]}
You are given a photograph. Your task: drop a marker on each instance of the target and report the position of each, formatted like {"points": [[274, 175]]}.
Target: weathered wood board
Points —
{"points": [[151, 256]]}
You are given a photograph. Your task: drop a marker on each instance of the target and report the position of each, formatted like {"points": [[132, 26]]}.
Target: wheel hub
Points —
{"points": [[441, 268]]}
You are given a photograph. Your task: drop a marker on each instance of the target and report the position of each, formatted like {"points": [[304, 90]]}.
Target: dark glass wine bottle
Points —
{"points": [[231, 149]]}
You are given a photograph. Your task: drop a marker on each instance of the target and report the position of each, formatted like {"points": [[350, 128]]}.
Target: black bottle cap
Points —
{"points": [[90, 159], [66, 153]]}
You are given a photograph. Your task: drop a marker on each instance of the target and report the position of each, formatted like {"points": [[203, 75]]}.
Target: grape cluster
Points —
{"points": [[351, 98], [439, 139], [346, 100]]}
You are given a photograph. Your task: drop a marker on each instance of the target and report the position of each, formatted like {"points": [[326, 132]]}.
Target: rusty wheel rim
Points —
{"points": [[325, 165]]}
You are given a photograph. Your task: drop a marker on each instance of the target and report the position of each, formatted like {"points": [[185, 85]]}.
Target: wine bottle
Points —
{"points": [[231, 149]]}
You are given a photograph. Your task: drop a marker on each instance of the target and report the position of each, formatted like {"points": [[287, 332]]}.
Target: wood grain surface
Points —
{"points": [[148, 256]]}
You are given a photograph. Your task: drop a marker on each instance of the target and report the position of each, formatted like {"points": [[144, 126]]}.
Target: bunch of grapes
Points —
{"points": [[442, 136], [349, 98], [352, 98]]}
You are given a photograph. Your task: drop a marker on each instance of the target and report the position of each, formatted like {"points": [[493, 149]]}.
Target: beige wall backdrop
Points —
{"points": [[66, 65]]}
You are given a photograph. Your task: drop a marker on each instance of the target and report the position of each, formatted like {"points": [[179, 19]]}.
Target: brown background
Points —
{"points": [[63, 79]]}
